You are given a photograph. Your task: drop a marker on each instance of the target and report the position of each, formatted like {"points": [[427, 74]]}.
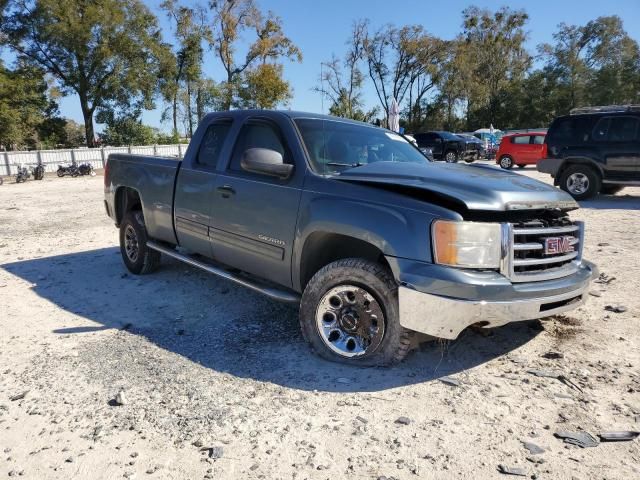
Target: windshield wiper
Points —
{"points": [[337, 164]]}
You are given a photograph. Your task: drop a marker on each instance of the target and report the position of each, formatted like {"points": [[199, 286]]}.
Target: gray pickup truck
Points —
{"points": [[353, 223]]}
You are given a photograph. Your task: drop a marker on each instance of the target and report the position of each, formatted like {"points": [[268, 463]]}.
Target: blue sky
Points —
{"points": [[321, 28]]}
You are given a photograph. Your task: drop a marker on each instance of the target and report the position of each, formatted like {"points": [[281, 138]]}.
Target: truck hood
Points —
{"points": [[477, 187]]}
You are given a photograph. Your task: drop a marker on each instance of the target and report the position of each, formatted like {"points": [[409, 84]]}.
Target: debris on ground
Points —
{"points": [[581, 439], [454, 382], [558, 376], [604, 279], [615, 308], [120, 399], [620, 436], [19, 396], [214, 452], [552, 355], [520, 472], [532, 447], [403, 420]]}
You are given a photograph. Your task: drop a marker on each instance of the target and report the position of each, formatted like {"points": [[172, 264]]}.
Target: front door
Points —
{"points": [[254, 215], [195, 188]]}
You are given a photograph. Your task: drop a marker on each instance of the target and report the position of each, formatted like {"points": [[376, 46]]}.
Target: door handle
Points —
{"points": [[226, 191]]}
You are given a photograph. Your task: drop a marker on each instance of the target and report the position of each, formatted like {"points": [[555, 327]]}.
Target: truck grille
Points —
{"points": [[538, 250]]}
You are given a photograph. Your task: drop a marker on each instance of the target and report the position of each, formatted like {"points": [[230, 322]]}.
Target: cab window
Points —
{"points": [[212, 144], [257, 134], [521, 139]]}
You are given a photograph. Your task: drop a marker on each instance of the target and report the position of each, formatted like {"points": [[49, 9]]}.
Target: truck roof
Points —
{"points": [[293, 114]]}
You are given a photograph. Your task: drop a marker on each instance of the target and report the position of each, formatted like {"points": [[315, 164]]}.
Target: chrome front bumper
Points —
{"points": [[445, 317]]}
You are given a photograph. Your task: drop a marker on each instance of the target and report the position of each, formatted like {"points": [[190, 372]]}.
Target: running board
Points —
{"points": [[281, 295]]}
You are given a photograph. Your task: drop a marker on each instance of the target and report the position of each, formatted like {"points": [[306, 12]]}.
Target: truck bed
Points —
{"points": [[156, 177]]}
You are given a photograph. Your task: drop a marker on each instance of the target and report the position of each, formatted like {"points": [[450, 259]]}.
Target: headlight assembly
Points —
{"points": [[467, 244]]}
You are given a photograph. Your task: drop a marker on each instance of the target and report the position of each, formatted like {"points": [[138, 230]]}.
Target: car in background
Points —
{"points": [[475, 145], [427, 152], [444, 145], [521, 149], [594, 150]]}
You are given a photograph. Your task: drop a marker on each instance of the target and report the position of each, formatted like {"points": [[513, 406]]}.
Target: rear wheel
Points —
{"points": [[521, 165], [580, 181], [349, 314], [137, 257], [506, 162]]}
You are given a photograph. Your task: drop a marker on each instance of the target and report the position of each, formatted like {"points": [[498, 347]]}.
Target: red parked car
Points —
{"points": [[521, 149]]}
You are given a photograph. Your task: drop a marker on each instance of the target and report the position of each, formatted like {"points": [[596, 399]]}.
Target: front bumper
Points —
{"points": [[446, 316]]}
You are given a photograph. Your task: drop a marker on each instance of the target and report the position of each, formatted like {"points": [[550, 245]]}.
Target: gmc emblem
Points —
{"points": [[554, 245]]}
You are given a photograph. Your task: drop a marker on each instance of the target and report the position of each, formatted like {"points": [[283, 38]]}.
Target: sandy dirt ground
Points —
{"points": [[218, 383]]}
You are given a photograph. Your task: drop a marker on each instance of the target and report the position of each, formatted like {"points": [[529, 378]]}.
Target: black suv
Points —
{"points": [[594, 150], [445, 146]]}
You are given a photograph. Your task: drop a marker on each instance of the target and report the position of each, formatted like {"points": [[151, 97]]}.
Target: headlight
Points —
{"points": [[467, 244]]}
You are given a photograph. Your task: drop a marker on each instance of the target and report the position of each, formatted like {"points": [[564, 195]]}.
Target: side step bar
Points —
{"points": [[281, 295]]}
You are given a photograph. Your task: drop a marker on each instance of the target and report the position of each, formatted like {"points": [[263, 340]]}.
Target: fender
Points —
{"points": [[393, 230]]}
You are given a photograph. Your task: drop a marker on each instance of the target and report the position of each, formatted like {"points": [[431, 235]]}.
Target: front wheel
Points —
{"points": [[580, 181], [60, 172], [450, 157], [506, 162], [137, 257], [349, 314]]}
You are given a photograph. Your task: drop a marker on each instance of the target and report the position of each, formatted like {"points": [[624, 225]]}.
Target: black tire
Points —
{"points": [[521, 166], [610, 189], [469, 159], [378, 282], [145, 260], [591, 181], [450, 156], [60, 173], [506, 162], [1, 180]]}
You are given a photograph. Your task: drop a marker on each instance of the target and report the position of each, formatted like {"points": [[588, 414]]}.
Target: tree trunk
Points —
{"points": [[175, 112], [189, 113], [199, 106], [87, 114]]}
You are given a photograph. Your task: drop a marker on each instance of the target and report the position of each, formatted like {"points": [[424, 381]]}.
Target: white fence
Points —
{"points": [[9, 161]]}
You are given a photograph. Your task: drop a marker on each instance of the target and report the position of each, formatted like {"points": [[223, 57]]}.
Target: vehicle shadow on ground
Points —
{"points": [[612, 202], [231, 329]]}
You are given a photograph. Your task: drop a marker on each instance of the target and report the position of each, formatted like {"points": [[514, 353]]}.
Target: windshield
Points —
{"points": [[335, 146]]}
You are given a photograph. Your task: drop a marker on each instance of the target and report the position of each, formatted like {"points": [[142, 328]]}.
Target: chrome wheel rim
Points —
{"points": [[578, 183], [350, 321], [450, 157], [131, 243], [505, 162]]}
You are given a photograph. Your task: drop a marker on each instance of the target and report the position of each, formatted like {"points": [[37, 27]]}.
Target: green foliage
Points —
{"points": [[56, 132], [108, 52], [127, 131], [24, 105], [263, 87], [230, 19]]}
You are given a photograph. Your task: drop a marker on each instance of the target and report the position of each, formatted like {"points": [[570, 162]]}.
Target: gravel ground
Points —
{"points": [[180, 375]]}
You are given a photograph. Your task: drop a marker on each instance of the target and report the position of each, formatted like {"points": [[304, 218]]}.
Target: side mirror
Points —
{"points": [[265, 162]]}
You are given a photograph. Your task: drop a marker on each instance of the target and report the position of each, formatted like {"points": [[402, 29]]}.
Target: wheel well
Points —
{"points": [[578, 161], [322, 248], [127, 199]]}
